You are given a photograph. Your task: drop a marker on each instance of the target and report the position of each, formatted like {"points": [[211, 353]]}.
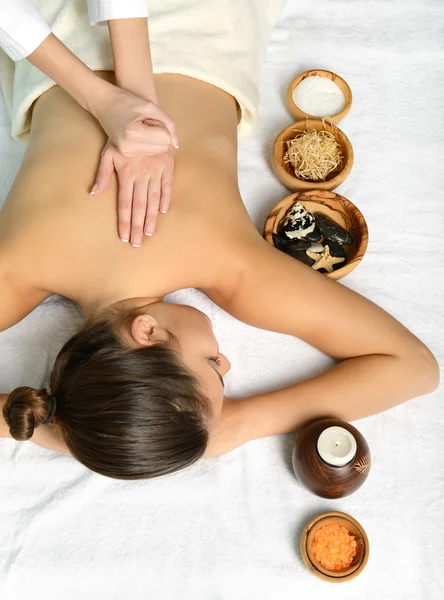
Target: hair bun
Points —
{"points": [[25, 409]]}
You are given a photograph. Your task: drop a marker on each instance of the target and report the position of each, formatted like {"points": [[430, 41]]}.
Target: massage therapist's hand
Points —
{"points": [[145, 186], [123, 110], [132, 122]]}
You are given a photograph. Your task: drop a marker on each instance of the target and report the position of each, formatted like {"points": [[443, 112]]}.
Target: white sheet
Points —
{"points": [[228, 529]]}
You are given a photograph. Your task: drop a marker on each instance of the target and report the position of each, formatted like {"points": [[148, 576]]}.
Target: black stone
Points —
{"points": [[300, 255], [314, 236], [282, 241], [336, 250], [331, 230], [296, 245], [294, 248], [279, 242]]}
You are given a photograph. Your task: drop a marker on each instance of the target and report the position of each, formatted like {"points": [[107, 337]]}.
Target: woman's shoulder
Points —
{"points": [[239, 253]]}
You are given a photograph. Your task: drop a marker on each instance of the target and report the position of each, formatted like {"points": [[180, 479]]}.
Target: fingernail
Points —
{"points": [[123, 240], [125, 236], [148, 233], [175, 142], [94, 189], [136, 241], [163, 211]]}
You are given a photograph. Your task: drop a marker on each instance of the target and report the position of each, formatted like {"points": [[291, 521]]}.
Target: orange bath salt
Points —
{"points": [[334, 547]]}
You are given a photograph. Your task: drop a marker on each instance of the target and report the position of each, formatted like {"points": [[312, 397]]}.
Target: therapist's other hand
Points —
{"points": [[145, 186], [135, 125]]}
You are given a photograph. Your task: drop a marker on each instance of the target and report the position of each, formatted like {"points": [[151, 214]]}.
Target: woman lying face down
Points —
{"points": [[138, 392]]}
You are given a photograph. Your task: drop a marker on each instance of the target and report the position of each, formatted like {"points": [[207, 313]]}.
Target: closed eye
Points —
{"points": [[216, 360]]}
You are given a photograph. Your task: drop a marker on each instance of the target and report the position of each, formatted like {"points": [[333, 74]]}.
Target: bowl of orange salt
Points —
{"points": [[335, 547]]}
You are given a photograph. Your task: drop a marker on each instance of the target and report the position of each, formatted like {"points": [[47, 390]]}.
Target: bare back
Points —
{"points": [[56, 238]]}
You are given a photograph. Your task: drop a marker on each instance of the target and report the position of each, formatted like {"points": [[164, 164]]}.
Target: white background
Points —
{"points": [[229, 529]]}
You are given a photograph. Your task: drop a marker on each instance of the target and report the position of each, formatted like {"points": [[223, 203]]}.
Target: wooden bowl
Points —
{"points": [[324, 479], [355, 528], [299, 114], [336, 207], [284, 171]]}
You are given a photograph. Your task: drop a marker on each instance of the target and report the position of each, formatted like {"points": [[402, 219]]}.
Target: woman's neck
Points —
{"points": [[106, 308]]}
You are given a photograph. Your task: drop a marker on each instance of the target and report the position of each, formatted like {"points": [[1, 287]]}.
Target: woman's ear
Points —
{"points": [[145, 331]]}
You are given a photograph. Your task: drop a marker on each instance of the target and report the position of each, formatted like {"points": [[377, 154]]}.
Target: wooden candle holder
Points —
{"points": [[322, 478]]}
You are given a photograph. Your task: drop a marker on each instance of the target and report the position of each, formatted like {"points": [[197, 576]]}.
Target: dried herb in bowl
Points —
{"points": [[313, 155]]}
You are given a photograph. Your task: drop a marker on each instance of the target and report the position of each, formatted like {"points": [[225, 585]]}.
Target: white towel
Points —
{"points": [[229, 529], [221, 42]]}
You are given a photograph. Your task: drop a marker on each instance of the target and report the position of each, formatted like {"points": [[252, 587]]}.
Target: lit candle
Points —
{"points": [[336, 446]]}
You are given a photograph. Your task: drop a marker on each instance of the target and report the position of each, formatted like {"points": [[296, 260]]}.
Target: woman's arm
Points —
{"points": [[128, 112], [121, 113], [62, 66], [24, 34], [145, 182], [132, 57], [139, 148], [381, 363]]}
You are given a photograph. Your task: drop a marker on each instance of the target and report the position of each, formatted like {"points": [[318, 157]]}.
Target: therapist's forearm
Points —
{"points": [[132, 57], [53, 58]]}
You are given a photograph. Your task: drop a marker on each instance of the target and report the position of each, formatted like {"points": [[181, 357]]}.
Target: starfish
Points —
{"points": [[324, 260]]}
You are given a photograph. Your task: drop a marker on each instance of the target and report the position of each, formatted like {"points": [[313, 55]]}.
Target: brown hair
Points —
{"points": [[123, 412]]}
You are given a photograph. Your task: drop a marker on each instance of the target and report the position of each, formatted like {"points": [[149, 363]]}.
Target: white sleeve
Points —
{"points": [[101, 11], [22, 28]]}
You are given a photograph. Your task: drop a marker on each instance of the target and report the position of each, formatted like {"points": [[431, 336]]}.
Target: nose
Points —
{"points": [[225, 364]]}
